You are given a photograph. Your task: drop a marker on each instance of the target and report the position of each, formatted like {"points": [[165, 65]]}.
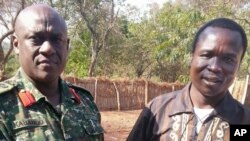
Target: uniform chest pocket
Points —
{"points": [[80, 125], [92, 125]]}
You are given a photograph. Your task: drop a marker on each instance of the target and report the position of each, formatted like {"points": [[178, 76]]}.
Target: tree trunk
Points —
{"points": [[1, 55], [94, 56], [1, 63]]}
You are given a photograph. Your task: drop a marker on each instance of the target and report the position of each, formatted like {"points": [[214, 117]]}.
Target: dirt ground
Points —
{"points": [[117, 125]]}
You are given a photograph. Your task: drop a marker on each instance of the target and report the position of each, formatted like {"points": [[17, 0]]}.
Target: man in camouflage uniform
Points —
{"points": [[36, 104]]}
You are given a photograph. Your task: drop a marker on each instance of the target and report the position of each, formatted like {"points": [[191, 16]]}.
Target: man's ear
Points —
{"points": [[15, 43]]}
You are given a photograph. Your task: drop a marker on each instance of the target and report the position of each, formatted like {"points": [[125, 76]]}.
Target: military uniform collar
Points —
{"points": [[24, 84], [30, 91], [68, 93]]}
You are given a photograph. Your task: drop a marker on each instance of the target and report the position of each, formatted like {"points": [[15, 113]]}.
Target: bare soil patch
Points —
{"points": [[117, 125]]}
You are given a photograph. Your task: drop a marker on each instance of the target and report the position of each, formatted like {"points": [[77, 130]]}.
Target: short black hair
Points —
{"points": [[222, 23]]}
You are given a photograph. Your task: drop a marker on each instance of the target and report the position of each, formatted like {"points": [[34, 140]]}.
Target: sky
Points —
{"points": [[143, 6], [143, 3]]}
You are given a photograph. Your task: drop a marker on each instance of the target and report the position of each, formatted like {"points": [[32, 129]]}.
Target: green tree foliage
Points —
{"points": [[175, 27], [155, 45], [79, 57], [11, 66], [100, 18], [111, 59], [165, 38]]}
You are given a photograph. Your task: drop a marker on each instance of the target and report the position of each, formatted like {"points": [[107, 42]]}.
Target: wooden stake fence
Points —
{"points": [[135, 94]]}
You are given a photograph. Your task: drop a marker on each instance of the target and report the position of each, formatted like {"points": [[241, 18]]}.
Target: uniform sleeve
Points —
{"points": [[143, 128], [4, 134]]}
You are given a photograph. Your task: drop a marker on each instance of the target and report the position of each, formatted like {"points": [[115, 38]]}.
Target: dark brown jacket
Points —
{"points": [[170, 117]]}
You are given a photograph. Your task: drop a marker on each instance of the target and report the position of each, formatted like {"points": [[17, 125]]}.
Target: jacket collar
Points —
{"points": [[183, 102], [227, 109], [23, 84]]}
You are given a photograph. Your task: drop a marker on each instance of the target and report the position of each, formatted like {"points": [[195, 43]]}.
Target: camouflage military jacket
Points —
{"points": [[25, 114]]}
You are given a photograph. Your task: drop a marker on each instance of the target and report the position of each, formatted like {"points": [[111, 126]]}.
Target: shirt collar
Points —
{"points": [[24, 83], [183, 102], [227, 109], [224, 109]]}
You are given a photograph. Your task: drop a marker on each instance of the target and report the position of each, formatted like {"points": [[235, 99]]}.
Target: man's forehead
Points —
{"points": [[37, 20], [39, 11], [32, 15], [37, 8]]}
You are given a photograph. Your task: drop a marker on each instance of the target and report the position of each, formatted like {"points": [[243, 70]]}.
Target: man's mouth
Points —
{"points": [[46, 61], [46, 64], [212, 80]]}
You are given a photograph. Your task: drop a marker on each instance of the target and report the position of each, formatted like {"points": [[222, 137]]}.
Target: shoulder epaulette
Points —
{"points": [[5, 87], [26, 97], [78, 88]]}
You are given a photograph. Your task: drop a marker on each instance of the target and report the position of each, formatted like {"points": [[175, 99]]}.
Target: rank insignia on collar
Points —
{"points": [[26, 97], [73, 92]]}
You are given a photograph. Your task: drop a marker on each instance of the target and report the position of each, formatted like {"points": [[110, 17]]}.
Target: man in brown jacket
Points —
{"points": [[204, 109]]}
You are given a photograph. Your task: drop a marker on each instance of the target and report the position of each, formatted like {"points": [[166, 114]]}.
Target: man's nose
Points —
{"points": [[47, 48], [215, 64]]}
